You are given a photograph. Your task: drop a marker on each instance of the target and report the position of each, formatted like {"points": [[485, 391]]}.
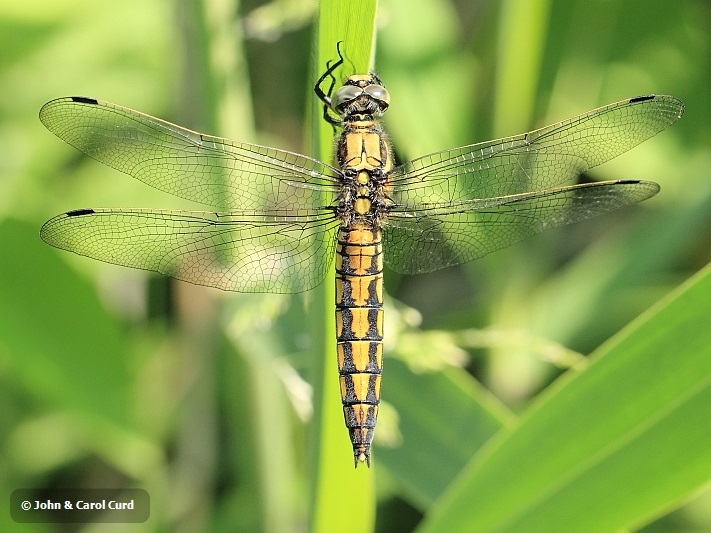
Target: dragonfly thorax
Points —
{"points": [[363, 198], [364, 157], [360, 95]]}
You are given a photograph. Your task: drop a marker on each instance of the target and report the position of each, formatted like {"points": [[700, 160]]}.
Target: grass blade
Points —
{"points": [[334, 480], [610, 447]]}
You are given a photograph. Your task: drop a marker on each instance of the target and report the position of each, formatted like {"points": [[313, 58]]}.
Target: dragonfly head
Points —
{"points": [[361, 94]]}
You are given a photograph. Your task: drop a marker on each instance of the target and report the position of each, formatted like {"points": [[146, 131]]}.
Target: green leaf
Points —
{"points": [[334, 479], [444, 417], [606, 448], [62, 343]]}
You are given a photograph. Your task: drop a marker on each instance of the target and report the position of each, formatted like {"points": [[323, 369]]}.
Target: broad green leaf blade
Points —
{"points": [[444, 417], [61, 342], [610, 447], [342, 498]]}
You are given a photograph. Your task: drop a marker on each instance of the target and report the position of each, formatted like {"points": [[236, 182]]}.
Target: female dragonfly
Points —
{"points": [[282, 217]]}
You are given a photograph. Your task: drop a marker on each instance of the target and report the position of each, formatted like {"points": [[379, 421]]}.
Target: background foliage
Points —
{"points": [[112, 377]]}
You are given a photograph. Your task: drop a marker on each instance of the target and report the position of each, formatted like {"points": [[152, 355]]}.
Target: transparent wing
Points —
{"points": [[213, 171], [533, 161], [283, 252], [435, 236]]}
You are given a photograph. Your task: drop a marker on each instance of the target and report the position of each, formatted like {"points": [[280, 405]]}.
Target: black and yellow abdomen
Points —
{"points": [[359, 331]]}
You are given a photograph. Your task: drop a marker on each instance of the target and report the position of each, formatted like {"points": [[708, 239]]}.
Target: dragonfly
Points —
{"points": [[278, 219]]}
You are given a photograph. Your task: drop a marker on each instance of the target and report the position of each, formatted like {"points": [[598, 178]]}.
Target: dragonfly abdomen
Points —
{"points": [[359, 331]]}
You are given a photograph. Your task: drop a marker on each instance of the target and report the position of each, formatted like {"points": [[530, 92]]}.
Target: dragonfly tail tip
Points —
{"points": [[362, 456]]}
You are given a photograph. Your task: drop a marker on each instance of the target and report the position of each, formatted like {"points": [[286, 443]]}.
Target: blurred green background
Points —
{"points": [[113, 377]]}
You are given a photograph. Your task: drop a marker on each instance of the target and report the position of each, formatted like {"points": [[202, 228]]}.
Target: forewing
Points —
{"points": [[282, 252], [213, 171], [533, 161], [435, 236]]}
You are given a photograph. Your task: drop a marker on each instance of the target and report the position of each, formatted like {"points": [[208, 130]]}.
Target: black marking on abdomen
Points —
{"points": [[353, 420], [348, 334], [350, 396], [349, 364]]}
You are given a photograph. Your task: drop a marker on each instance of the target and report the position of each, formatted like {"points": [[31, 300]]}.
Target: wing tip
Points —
{"points": [[46, 108], [671, 101], [47, 229]]}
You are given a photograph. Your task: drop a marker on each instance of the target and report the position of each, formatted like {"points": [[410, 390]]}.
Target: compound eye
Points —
{"points": [[379, 93], [344, 95]]}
